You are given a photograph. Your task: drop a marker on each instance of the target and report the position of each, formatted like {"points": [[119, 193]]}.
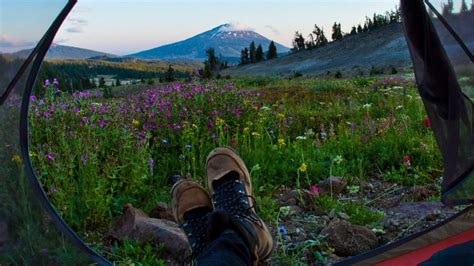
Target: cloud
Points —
{"points": [[272, 29], [61, 40], [8, 42], [77, 25], [236, 27]]}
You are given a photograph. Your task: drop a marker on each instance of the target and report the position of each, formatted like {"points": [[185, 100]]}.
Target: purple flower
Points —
{"points": [[52, 190], [32, 98], [47, 83], [44, 251], [50, 156], [56, 90], [84, 158], [151, 165], [102, 123], [55, 81], [282, 230]]}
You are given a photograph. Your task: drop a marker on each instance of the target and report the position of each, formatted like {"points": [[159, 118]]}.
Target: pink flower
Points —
{"points": [[315, 190], [427, 122], [50, 156]]}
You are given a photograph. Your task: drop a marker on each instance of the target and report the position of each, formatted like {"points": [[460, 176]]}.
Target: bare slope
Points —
{"points": [[382, 47]]}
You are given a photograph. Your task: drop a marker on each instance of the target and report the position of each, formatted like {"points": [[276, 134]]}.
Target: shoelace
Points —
{"points": [[232, 198]]}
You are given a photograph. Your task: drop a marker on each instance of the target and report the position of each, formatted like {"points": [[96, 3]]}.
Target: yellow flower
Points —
{"points": [[280, 115], [16, 159], [220, 121], [281, 142], [303, 168], [136, 123], [195, 126], [32, 154], [255, 134]]}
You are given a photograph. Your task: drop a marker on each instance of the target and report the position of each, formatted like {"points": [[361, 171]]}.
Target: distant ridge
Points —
{"points": [[57, 51]]}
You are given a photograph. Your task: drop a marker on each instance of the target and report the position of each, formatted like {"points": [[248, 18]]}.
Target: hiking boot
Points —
{"points": [[191, 208], [231, 191]]}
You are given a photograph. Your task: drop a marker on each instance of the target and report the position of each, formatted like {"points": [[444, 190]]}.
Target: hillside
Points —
{"points": [[381, 47], [228, 40], [65, 52]]}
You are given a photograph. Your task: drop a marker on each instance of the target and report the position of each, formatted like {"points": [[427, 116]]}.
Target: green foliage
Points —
{"points": [[272, 51], [130, 253], [99, 153]]}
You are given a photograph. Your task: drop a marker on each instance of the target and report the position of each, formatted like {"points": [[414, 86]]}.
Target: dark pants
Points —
{"points": [[462, 254], [227, 249]]}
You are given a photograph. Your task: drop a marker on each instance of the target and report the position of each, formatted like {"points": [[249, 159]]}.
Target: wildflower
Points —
{"points": [[338, 159], [16, 159], [427, 122], [281, 142], [280, 115], [44, 251], [315, 190], [181, 157], [164, 141], [246, 130], [282, 231], [50, 156], [47, 83], [102, 123], [367, 106], [220, 121], [32, 154], [32, 98], [52, 190], [301, 138], [195, 126], [323, 134], [188, 147], [55, 81], [303, 168], [423, 145], [406, 161], [136, 123], [255, 134], [151, 164], [84, 158]]}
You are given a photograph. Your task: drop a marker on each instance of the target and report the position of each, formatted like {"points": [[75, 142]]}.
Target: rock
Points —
{"points": [[161, 211], [344, 216], [348, 239], [303, 198], [137, 226], [332, 186], [3, 233], [423, 193]]}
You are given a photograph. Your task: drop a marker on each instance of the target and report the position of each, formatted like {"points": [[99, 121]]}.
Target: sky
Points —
{"points": [[124, 27]]}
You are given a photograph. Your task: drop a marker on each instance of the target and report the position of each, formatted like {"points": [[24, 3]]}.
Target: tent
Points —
{"points": [[440, 56], [32, 232]]}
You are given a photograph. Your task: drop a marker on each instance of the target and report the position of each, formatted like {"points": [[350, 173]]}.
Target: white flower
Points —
{"points": [[300, 138], [367, 106], [399, 107]]}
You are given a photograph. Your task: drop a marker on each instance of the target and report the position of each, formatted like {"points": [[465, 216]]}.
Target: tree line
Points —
{"points": [[254, 54], [317, 38], [448, 8]]}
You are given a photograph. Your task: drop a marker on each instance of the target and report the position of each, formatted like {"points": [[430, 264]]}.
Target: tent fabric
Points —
{"points": [[420, 247], [449, 104], [31, 231]]}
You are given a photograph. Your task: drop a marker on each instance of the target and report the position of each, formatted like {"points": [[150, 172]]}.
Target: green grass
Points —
{"points": [[94, 154]]}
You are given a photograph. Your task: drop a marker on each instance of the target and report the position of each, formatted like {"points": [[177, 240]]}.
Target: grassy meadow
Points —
{"points": [[94, 154]]}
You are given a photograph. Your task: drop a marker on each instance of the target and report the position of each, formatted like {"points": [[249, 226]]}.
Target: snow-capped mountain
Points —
{"points": [[228, 40]]}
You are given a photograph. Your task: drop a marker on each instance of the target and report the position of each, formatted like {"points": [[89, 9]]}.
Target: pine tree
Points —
{"points": [[448, 8], [252, 52], [117, 82], [259, 56], [102, 82], [320, 38], [359, 29], [464, 7], [170, 75], [336, 32], [310, 44], [298, 42], [353, 30], [272, 51]]}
